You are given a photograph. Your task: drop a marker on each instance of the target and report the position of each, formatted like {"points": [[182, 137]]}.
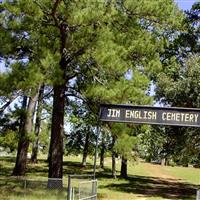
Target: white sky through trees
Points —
{"points": [[186, 4]]}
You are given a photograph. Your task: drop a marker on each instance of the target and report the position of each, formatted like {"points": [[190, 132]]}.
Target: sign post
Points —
{"points": [[96, 148]]}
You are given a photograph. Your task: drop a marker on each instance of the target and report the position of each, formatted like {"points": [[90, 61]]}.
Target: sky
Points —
{"points": [[185, 4]]}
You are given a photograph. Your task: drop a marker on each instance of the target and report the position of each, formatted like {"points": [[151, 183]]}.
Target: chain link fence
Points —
{"points": [[87, 190]]}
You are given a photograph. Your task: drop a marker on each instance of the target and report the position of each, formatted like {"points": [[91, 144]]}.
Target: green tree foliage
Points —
{"points": [[151, 142], [82, 131], [10, 122], [8, 131], [44, 137], [184, 90], [178, 85], [9, 140], [187, 42], [125, 143]]}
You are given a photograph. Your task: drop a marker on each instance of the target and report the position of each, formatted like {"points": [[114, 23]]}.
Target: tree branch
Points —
{"points": [[47, 95], [41, 7], [53, 14], [9, 102]]}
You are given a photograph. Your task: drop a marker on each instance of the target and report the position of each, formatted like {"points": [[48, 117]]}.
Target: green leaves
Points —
{"points": [[125, 145], [9, 140], [122, 90], [182, 89]]}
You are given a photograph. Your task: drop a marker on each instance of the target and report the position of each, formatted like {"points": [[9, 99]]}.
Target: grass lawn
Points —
{"points": [[145, 182], [191, 175]]}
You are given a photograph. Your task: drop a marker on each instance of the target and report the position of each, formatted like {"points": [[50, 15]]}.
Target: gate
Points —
{"points": [[82, 187]]}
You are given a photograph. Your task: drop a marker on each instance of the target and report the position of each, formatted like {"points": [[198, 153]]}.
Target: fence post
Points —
{"points": [[79, 191], [72, 193], [198, 194], [69, 188], [94, 189], [96, 148]]}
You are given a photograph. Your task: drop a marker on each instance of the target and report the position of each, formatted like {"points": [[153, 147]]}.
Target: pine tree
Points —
{"points": [[99, 43], [24, 139]]}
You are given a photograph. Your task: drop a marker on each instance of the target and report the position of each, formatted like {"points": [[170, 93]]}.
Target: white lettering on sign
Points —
{"points": [[113, 113], [180, 117], [136, 114]]}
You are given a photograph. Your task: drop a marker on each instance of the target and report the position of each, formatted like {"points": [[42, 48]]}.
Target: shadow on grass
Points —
{"points": [[31, 189], [155, 187], [71, 167], [6, 165], [37, 170], [41, 168], [150, 186], [140, 185]]}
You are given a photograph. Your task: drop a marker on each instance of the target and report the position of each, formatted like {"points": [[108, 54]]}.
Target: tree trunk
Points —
{"points": [[56, 143], [114, 165], [57, 128], [113, 160], [102, 153], [37, 126], [123, 172], [85, 150], [25, 129], [163, 161], [17, 169]]}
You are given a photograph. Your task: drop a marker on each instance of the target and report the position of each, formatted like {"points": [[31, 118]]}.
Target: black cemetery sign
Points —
{"points": [[150, 115]]}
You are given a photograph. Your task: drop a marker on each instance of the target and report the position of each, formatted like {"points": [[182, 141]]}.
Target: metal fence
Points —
{"points": [[82, 187], [87, 190], [32, 189]]}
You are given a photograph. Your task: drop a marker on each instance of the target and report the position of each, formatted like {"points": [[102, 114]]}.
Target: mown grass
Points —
{"points": [[142, 183], [191, 175]]}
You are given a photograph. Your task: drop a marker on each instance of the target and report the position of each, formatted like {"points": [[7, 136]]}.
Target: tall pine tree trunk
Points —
{"points": [[17, 169], [123, 172], [57, 128], [37, 126], [113, 159], [56, 143], [25, 130], [85, 150]]}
